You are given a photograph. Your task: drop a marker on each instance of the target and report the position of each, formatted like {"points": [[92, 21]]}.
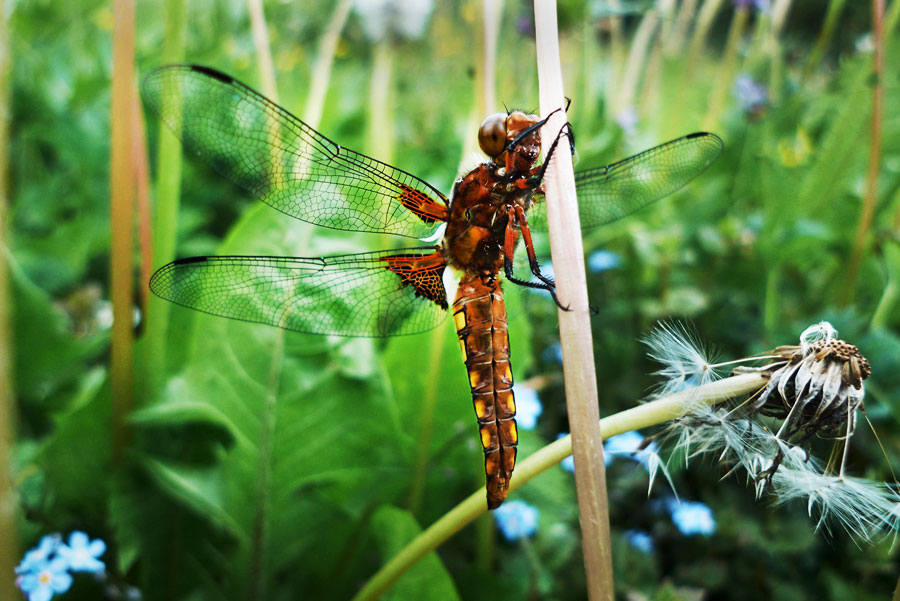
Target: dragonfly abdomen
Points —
{"points": [[480, 316]]}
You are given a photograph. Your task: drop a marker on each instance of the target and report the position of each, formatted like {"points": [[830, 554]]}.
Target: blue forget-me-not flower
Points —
{"points": [[46, 570], [692, 517], [628, 444], [528, 407], [640, 540], [516, 520], [82, 553], [603, 260], [44, 579]]}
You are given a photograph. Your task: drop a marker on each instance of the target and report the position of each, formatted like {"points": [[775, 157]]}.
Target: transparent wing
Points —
{"points": [[369, 294], [285, 163], [612, 192]]}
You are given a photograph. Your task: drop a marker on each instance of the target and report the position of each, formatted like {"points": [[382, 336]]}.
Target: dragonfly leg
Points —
{"points": [[535, 180], [509, 244], [551, 288], [528, 131], [529, 245]]}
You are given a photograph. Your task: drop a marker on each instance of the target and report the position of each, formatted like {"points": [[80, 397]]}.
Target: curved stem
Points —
{"points": [[641, 416]]}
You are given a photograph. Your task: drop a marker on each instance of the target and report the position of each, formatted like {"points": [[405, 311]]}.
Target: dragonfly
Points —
{"points": [[293, 168]]}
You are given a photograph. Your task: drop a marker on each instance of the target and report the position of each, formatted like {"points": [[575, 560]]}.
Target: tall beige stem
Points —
{"points": [[574, 324]]}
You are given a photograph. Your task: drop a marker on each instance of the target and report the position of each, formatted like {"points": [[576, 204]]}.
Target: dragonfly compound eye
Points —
{"points": [[492, 134]]}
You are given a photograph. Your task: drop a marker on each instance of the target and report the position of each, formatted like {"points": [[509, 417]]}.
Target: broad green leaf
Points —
{"points": [[425, 581]]}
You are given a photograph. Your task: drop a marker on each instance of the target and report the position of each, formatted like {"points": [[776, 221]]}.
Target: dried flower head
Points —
{"points": [[815, 388], [816, 391]]}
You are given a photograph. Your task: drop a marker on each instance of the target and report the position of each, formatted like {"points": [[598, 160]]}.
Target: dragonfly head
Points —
{"points": [[515, 132]]}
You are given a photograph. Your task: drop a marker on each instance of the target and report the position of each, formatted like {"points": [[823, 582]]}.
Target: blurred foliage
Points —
{"points": [[276, 465]]}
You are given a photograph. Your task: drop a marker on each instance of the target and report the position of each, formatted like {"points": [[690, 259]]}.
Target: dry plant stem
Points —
{"points": [[492, 11], [685, 16], [868, 208], [640, 416], [704, 22], [637, 59], [9, 548], [122, 221], [779, 15], [380, 129], [574, 324], [321, 73]]}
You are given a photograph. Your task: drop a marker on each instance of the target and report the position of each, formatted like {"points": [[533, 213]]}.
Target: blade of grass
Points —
{"points": [[675, 42], [257, 587], [574, 323], [321, 74], [636, 418], [637, 59], [698, 40], [835, 7], [264, 63], [491, 32], [122, 222], [142, 192], [165, 210], [9, 544], [871, 196], [380, 129], [728, 68], [888, 300]]}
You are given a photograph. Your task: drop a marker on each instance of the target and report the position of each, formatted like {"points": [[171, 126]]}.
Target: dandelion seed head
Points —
{"points": [[686, 363], [818, 331]]}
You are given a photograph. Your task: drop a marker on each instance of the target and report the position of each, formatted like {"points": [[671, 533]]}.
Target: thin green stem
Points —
{"points": [[835, 7], [705, 20], [728, 69], [885, 308], [635, 65], [429, 403], [165, 211], [9, 547], [122, 222], [321, 74], [867, 213], [640, 416]]}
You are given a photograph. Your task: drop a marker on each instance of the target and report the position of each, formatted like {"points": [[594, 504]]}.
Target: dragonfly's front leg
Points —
{"points": [[516, 216], [537, 176]]}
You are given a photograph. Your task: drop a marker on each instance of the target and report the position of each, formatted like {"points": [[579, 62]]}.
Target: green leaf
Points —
{"points": [[428, 579], [314, 441]]}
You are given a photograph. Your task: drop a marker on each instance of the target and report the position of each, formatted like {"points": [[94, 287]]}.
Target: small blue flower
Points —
{"points": [[37, 557], [628, 444], [528, 406], [751, 95], [81, 553], [553, 353], [640, 540], [516, 520], [603, 260], [568, 463], [692, 517], [627, 119], [51, 577], [762, 6]]}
